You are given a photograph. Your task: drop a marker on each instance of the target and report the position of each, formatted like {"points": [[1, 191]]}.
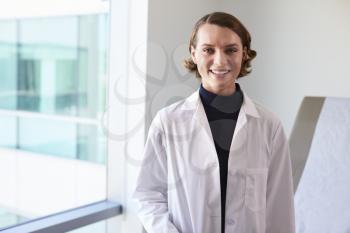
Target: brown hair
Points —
{"points": [[229, 21]]}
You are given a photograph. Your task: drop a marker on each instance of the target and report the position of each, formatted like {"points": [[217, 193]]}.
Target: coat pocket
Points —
{"points": [[255, 190]]}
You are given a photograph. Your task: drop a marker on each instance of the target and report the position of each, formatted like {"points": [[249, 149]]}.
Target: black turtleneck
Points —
{"points": [[222, 113]]}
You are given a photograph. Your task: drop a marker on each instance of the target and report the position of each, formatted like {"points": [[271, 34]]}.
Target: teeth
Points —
{"points": [[220, 71]]}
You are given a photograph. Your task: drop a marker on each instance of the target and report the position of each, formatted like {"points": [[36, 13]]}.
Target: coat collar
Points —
{"points": [[193, 102], [248, 108]]}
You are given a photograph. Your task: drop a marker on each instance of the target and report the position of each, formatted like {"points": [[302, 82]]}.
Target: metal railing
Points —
{"points": [[68, 220]]}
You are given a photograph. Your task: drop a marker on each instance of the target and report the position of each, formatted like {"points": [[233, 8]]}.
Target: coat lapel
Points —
{"points": [[201, 121], [240, 138]]}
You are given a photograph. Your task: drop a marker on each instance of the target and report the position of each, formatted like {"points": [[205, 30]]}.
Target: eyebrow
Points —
{"points": [[231, 45], [226, 46]]}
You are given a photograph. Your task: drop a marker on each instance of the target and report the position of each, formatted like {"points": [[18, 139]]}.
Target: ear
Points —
{"points": [[245, 54], [193, 55]]}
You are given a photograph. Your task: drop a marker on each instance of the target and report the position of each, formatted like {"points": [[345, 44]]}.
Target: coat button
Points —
{"points": [[230, 221]]}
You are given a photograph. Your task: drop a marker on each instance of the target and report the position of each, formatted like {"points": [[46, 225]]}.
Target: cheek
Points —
{"points": [[238, 60], [203, 66], [203, 61]]}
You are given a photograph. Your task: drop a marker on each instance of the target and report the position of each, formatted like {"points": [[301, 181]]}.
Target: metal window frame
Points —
{"points": [[68, 220]]}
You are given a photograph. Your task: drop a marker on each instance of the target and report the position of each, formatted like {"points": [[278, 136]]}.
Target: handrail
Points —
{"points": [[68, 220]]}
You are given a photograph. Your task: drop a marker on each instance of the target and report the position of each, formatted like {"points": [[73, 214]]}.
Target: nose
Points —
{"points": [[220, 59]]}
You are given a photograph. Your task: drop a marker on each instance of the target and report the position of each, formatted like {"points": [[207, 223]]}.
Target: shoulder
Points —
{"points": [[258, 111], [264, 119], [266, 114], [272, 124], [179, 110]]}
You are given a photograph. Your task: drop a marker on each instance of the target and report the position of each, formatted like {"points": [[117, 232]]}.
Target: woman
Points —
{"points": [[216, 161]]}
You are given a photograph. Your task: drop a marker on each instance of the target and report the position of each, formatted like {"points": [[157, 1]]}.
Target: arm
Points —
{"points": [[151, 188], [280, 194]]}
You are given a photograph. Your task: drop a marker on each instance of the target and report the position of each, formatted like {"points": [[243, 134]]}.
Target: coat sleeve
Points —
{"points": [[151, 186], [280, 194]]}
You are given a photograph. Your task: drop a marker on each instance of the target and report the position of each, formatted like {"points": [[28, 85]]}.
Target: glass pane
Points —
{"points": [[8, 132], [7, 218], [52, 93], [8, 64]]}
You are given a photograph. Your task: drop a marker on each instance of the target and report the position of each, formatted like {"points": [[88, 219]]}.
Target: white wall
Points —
{"points": [[126, 107]]}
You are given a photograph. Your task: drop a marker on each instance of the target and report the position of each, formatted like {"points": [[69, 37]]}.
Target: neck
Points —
{"points": [[221, 91]]}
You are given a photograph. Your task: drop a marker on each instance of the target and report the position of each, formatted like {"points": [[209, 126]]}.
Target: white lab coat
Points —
{"points": [[178, 189]]}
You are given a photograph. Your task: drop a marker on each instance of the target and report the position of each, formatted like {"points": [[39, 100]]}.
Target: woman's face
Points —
{"points": [[218, 55]]}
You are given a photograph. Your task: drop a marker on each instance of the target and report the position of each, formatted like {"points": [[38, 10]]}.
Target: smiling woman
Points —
{"points": [[233, 152]]}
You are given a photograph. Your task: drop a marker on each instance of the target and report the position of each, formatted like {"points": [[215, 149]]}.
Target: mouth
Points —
{"points": [[219, 73]]}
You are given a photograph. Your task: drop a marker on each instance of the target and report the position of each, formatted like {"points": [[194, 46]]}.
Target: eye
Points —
{"points": [[208, 50], [231, 50]]}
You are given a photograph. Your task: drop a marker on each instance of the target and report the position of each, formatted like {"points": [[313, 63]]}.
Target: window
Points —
{"points": [[53, 151]]}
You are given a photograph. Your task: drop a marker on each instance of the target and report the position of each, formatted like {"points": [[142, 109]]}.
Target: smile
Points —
{"points": [[220, 72]]}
